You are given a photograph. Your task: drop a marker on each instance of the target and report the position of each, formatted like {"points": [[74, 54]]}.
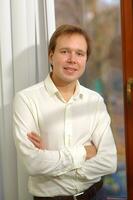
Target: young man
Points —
{"points": [[62, 129]]}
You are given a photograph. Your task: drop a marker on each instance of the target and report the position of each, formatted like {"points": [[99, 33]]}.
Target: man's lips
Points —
{"points": [[70, 69]]}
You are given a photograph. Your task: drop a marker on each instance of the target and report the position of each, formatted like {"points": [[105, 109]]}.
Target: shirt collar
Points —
{"points": [[50, 86], [52, 89]]}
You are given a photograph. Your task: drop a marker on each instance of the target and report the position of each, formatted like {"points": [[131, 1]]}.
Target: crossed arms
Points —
{"points": [[90, 161], [39, 143]]}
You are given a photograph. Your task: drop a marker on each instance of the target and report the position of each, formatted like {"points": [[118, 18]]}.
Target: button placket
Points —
{"points": [[68, 125]]}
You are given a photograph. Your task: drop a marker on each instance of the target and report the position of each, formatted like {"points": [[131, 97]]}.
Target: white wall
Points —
{"points": [[25, 27]]}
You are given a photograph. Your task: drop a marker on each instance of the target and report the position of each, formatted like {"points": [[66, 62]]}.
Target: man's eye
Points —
{"points": [[64, 51], [80, 54]]}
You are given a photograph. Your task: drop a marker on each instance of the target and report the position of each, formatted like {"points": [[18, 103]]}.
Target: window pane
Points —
{"points": [[101, 19]]}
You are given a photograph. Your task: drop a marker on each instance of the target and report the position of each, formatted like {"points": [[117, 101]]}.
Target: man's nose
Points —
{"points": [[72, 57]]}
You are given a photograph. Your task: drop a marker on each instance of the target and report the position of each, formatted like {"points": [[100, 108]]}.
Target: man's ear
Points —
{"points": [[50, 57]]}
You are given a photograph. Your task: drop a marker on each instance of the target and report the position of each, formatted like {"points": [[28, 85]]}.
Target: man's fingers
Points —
{"points": [[34, 136], [36, 143], [36, 140]]}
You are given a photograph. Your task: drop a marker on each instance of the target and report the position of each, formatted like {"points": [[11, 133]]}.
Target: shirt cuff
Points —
{"points": [[79, 155]]}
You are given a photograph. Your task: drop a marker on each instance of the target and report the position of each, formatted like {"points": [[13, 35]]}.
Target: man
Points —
{"points": [[62, 129]]}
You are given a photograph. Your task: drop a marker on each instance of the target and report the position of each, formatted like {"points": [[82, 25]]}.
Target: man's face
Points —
{"points": [[69, 58]]}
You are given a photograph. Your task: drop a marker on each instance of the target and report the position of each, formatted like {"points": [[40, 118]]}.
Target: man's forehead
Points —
{"points": [[67, 37]]}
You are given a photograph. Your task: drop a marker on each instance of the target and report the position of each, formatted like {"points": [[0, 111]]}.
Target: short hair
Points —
{"points": [[68, 29]]}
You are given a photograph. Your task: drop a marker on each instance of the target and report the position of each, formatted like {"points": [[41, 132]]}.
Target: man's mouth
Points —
{"points": [[70, 69]]}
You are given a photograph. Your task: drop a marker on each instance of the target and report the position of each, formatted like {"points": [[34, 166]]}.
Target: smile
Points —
{"points": [[69, 69]]}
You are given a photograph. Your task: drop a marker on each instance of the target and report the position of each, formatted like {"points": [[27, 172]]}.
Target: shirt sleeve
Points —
{"points": [[36, 161], [105, 161]]}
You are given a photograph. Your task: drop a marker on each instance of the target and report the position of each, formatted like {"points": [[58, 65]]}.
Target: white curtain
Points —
{"points": [[25, 28]]}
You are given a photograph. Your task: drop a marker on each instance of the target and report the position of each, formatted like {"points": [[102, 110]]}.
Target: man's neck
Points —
{"points": [[66, 89]]}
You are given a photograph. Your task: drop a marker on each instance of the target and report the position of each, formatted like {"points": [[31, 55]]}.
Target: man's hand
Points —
{"points": [[91, 151], [36, 140]]}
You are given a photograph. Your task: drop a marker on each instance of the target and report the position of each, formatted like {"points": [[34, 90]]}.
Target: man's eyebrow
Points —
{"points": [[80, 50], [64, 48], [67, 48]]}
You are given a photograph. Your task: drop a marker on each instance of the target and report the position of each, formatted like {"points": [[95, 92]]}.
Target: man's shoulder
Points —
{"points": [[31, 90], [90, 93]]}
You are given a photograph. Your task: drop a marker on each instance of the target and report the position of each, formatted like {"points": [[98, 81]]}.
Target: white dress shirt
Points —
{"points": [[61, 169]]}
